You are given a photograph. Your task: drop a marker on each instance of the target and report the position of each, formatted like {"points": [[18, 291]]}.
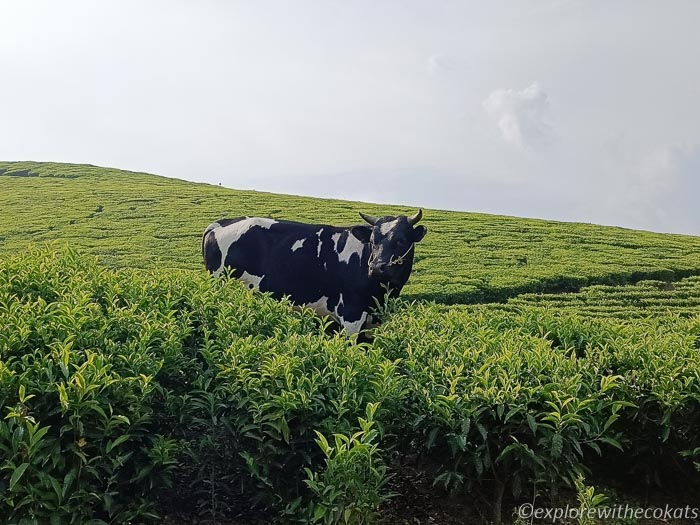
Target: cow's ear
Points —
{"points": [[363, 233], [419, 232]]}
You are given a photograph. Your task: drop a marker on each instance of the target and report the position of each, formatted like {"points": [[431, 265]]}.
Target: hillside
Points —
{"points": [[136, 389], [140, 220]]}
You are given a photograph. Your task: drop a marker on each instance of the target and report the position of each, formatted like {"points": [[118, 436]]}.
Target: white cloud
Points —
{"points": [[520, 115], [440, 63]]}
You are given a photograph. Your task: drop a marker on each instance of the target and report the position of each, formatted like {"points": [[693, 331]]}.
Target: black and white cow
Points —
{"points": [[337, 271]]}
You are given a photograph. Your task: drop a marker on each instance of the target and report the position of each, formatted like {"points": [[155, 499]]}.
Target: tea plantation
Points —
{"points": [[643, 299], [144, 221], [133, 386]]}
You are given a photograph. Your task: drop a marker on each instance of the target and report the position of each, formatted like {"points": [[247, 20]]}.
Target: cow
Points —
{"points": [[340, 272]]}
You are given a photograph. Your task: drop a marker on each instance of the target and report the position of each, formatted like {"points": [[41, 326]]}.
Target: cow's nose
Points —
{"points": [[379, 268]]}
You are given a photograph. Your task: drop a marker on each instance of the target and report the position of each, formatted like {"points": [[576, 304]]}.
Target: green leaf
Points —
{"points": [[67, 482], [665, 433], [532, 424], [36, 437], [17, 474], [56, 488], [319, 513], [432, 436], [482, 430], [117, 442], [610, 421], [557, 445], [613, 442], [323, 444]]}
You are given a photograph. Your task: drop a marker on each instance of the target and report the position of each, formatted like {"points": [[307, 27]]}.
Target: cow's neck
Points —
{"points": [[396, 284]]}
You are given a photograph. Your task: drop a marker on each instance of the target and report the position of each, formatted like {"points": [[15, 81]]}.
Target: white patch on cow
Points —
{"points": [[251, 281], [320, 243], [353, 246], [388, 226], [354, 326], [335, 238], [227, 235], [298, 244], [350, 327], [320, 306], [212, 226]]}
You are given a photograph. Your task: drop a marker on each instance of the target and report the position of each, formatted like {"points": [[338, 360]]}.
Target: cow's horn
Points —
{"points": [[369, 218], [413, 220]]}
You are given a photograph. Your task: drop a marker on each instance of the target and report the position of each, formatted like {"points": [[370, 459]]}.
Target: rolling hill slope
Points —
{"points": [[140, 220], [121, 376]]}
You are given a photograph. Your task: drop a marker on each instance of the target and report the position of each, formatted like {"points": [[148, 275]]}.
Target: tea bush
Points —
{"points": [[112, 379], [506, 401], [119, 387], [349, 490], [641, 300]]}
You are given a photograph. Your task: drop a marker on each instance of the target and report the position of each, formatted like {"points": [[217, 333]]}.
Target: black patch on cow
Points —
{"points": [[211, 252], [363, 233]]}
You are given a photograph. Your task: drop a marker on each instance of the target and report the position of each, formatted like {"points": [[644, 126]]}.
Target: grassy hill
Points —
{"points": [[140, 220], [133, 386]]}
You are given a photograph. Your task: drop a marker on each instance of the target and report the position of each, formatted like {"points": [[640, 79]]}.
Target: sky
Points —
{"points": [[569, 110]]}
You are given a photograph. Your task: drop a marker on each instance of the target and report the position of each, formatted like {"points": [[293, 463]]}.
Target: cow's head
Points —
{"points": [[391, 242]]}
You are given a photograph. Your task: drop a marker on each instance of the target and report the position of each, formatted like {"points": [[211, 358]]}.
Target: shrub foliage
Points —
{"points": [[116, 385]]}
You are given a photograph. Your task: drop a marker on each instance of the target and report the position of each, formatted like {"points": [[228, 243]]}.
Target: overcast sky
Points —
{"points": [[570, 110]]}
